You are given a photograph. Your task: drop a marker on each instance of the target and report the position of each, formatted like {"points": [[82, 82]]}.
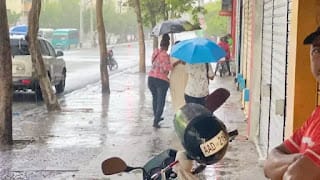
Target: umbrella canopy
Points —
{"points": [[173, 26], [19, 30], [197, 50]]}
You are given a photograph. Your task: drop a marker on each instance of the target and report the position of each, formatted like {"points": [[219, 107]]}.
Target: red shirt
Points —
{"points": [[160, 65], [306, 140], [226, 48]]}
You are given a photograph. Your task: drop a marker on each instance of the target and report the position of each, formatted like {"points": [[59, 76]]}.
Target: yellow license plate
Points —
{"points": [[214, 145]]}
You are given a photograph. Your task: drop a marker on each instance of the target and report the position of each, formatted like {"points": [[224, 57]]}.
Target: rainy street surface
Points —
{"points": [[83, 68], [71, 144]]}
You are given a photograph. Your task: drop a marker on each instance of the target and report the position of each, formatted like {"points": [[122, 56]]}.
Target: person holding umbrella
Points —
{"points": [[198, 53]]}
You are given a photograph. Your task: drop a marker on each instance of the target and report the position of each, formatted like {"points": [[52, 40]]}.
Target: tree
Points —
{"points": [[37, 61], [13, 17], [104, 75], [142, 48], [60, 14], [119, 23], [150, 15], [216, 24], [5, 79], [156, 11]]}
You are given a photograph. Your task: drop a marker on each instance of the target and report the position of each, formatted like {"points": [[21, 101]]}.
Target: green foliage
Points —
{"points": [[195, 14], [178, 7], [60, 14], [216, 24], [66, 14], [13, 17], [169, 9], [119, 23], [151, 11]]}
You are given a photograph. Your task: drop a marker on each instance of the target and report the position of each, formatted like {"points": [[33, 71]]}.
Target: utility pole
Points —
{"points": [[120, 4], [81, 24], [92, 36]]}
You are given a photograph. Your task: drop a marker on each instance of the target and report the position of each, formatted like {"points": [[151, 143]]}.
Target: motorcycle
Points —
{"points": [[111, 62], [203, 136], [159, 167]]}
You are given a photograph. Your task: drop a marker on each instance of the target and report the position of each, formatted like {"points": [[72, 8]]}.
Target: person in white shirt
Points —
{"points": [[197, 88]]}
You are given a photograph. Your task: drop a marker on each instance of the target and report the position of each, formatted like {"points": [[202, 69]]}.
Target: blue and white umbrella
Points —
{"points": [[197, 50]]}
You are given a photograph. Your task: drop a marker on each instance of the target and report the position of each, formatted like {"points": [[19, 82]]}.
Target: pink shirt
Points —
{"points": [[306, 140], [160, 65]]}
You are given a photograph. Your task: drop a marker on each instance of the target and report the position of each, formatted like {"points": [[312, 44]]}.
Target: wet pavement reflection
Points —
{"points": [[71, 144]]}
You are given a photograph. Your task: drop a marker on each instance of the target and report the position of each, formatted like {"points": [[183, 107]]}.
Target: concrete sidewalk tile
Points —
{"points": [[71, 144]]}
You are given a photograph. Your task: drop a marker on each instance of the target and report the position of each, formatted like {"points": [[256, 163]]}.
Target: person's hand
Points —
{"points": [[302, 168], [184, 166], [296, 157], [178, 62]]}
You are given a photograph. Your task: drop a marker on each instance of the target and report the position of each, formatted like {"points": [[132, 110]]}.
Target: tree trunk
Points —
{"points": [[48, 95], [164, 10], [142, 48], [155, 39], [5, 79], [103, 48], [153, 21]]}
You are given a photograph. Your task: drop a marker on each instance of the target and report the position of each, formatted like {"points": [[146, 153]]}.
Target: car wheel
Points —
{"points": [[60, 87], [38, 92]]}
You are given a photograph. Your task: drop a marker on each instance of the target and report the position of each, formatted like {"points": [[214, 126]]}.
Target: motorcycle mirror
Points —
{"points": [[113, 165]]}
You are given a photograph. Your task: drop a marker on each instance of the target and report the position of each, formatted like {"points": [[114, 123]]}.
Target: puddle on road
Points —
{"points": [[77, 110]]}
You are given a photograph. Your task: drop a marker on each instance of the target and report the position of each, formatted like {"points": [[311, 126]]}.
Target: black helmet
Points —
{"points": [[202, 134]]}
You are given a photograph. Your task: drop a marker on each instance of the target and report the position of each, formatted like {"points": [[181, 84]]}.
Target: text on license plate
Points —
{"points": [[214, 145]]}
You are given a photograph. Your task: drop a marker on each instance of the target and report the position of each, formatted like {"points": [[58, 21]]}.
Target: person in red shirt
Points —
{"points": [[299, 156], [158, 81], [223, 43]]}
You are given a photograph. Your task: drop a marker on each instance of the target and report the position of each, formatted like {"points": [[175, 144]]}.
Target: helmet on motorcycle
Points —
{"points": [[202, 134]]}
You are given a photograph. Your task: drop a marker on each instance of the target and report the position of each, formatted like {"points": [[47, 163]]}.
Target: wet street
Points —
{"points": [[71, 144]]}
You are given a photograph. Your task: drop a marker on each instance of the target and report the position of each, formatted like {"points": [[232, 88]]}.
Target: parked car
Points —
{"points": [[24, 75]]}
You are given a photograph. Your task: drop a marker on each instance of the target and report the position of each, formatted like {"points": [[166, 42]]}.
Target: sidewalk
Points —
{"points": [[72, 144]]}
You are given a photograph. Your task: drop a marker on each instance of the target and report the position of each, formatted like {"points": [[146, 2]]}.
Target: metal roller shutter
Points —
{"points": [[266, 76], [278, 71]]}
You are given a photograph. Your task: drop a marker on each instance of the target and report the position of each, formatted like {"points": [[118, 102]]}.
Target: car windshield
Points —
{"points": [[19, 47], [60, 36]]}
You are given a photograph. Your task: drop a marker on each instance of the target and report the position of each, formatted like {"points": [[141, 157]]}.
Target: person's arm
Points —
{"points": [[278, 162], [302, 168], [176, 63], [210, 72]]}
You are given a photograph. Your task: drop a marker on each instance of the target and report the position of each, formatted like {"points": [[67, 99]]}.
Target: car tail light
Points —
{"points": [[26, 81]]}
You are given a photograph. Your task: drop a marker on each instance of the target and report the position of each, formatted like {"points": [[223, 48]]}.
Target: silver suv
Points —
{"points": [[23, 73]]}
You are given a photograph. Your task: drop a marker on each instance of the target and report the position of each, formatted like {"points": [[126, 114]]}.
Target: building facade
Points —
{"points": [[273, 71]]}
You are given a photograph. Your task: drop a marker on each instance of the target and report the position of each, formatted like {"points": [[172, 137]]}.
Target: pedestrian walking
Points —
{"points": [[298, 157], [223, 43], [158, 81]]}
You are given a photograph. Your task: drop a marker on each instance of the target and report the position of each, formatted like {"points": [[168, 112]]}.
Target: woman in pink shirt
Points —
{"points": [[158, 80]]}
